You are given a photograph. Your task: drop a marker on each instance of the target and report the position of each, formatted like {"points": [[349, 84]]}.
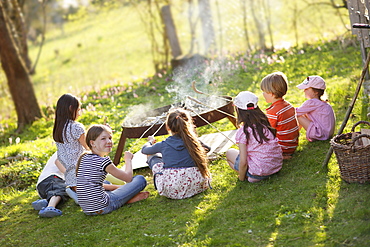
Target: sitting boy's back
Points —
{"points": [[281, 114]]}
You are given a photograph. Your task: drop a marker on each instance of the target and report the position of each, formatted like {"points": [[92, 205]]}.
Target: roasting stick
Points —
{"points": [[133, 145], [212, 125], [215, 109], [159, 128], [200, 92]]}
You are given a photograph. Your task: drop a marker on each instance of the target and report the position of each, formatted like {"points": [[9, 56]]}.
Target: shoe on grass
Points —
{"points": [[39, 204], [72, 194], [50, 212]]}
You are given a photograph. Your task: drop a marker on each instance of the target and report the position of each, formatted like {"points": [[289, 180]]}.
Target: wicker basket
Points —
{"points": [[353, 160]]}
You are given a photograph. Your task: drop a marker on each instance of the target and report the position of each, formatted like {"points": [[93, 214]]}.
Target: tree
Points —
{"points": [[19, 81]]}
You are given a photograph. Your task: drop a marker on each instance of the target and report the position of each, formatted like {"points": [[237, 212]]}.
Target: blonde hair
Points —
{"points": [[180, 123], [275, 83], [92, 134]]}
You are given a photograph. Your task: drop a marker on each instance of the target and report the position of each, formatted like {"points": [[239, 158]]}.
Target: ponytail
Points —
{"points": [[180, 123]]}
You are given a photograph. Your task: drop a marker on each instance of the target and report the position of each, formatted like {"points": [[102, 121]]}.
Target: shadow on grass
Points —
{"points": [[302, 205], [289, 209]]}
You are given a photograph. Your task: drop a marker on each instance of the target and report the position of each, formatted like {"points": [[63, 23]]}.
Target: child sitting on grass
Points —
{"points": [[51, 188], [315, 115], [281, 114], [259, 154], [69, 136], [92, 170], [181, 171]]}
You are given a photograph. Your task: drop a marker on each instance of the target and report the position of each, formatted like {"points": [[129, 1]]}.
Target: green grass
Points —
{"points": [[105, 46], [303, 205]]}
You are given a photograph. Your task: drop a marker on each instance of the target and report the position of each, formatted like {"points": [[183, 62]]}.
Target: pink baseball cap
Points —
{"points": [[313, 81], [244, 98]]}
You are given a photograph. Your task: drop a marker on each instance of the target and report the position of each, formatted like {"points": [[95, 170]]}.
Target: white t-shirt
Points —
{"points": [[50, 169]]}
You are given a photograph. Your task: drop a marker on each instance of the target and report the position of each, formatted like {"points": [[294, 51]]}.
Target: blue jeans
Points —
{"points": [[118, 197], [154, 159]]}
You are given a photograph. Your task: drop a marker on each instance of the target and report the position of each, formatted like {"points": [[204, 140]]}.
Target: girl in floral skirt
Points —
{"points": [[179, 163]]}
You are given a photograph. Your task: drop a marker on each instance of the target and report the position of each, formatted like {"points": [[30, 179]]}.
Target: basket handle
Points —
{"points": [[359, 122], [358, 137]]}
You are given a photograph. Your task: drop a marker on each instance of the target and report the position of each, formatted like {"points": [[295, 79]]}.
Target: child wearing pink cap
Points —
{"points": [[259, 155], [315, 115]]}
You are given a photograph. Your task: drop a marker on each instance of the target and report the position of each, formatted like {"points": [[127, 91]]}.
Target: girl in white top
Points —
{"points": [[69, 136], [259, 154], [315, 115]]}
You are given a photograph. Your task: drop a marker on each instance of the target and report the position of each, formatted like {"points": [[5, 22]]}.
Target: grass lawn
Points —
{"points": [[305, 204]]}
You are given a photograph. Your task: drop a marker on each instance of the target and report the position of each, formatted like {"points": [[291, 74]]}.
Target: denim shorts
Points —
{"points": [[52, 186], [236, 167]]}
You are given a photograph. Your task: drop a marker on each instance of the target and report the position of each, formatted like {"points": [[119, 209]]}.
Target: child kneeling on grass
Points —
{"points": [[51, 188], [181, 171], [259, 154], [92, 170]]}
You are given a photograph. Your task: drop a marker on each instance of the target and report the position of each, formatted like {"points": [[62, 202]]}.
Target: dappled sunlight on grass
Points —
{"points": [[333, 186], [211, 199], [13, 202]]}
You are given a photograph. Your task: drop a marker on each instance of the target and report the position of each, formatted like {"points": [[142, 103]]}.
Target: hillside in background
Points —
{"points": [[113, 44]]}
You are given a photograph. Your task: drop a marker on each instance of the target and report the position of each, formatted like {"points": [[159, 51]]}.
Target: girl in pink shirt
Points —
{"points": [[315, 115], [259, 154]]}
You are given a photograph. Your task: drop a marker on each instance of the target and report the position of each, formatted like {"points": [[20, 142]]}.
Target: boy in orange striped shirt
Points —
{"points": [[281, 114]]}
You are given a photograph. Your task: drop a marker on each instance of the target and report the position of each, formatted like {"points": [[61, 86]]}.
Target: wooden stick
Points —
{"points": [[200, 92], [350, 108], [205, 120], [215, 109]]}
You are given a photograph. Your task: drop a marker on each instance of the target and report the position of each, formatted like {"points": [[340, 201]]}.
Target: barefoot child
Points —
{"points": [[315, 115], [259, 155], [92, 169]]}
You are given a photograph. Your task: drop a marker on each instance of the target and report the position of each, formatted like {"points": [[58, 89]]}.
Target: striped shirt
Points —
{"points": [[281, 115], [90, 176]]}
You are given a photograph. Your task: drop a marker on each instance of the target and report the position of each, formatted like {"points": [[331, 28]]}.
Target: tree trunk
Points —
{"points": [[207, 25], [259, 27], [19, 82], [18, 27], [245, 25]]}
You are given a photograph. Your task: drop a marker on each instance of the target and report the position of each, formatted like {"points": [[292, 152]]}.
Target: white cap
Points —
{"points": [[244, 98]]}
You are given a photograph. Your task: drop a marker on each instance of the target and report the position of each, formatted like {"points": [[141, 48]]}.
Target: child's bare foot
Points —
{"points": [[287, 156], [139, 196]]}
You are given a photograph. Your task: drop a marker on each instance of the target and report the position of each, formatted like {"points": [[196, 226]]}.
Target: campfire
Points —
{"points": [[204, 111], [158, 116]]}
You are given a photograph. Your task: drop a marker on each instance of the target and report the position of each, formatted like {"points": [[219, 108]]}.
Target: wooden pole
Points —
{"points": [[350, 108]]}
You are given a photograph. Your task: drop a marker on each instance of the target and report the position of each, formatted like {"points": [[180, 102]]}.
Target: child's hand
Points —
{"points": [[128, 155], [151, 139]]}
